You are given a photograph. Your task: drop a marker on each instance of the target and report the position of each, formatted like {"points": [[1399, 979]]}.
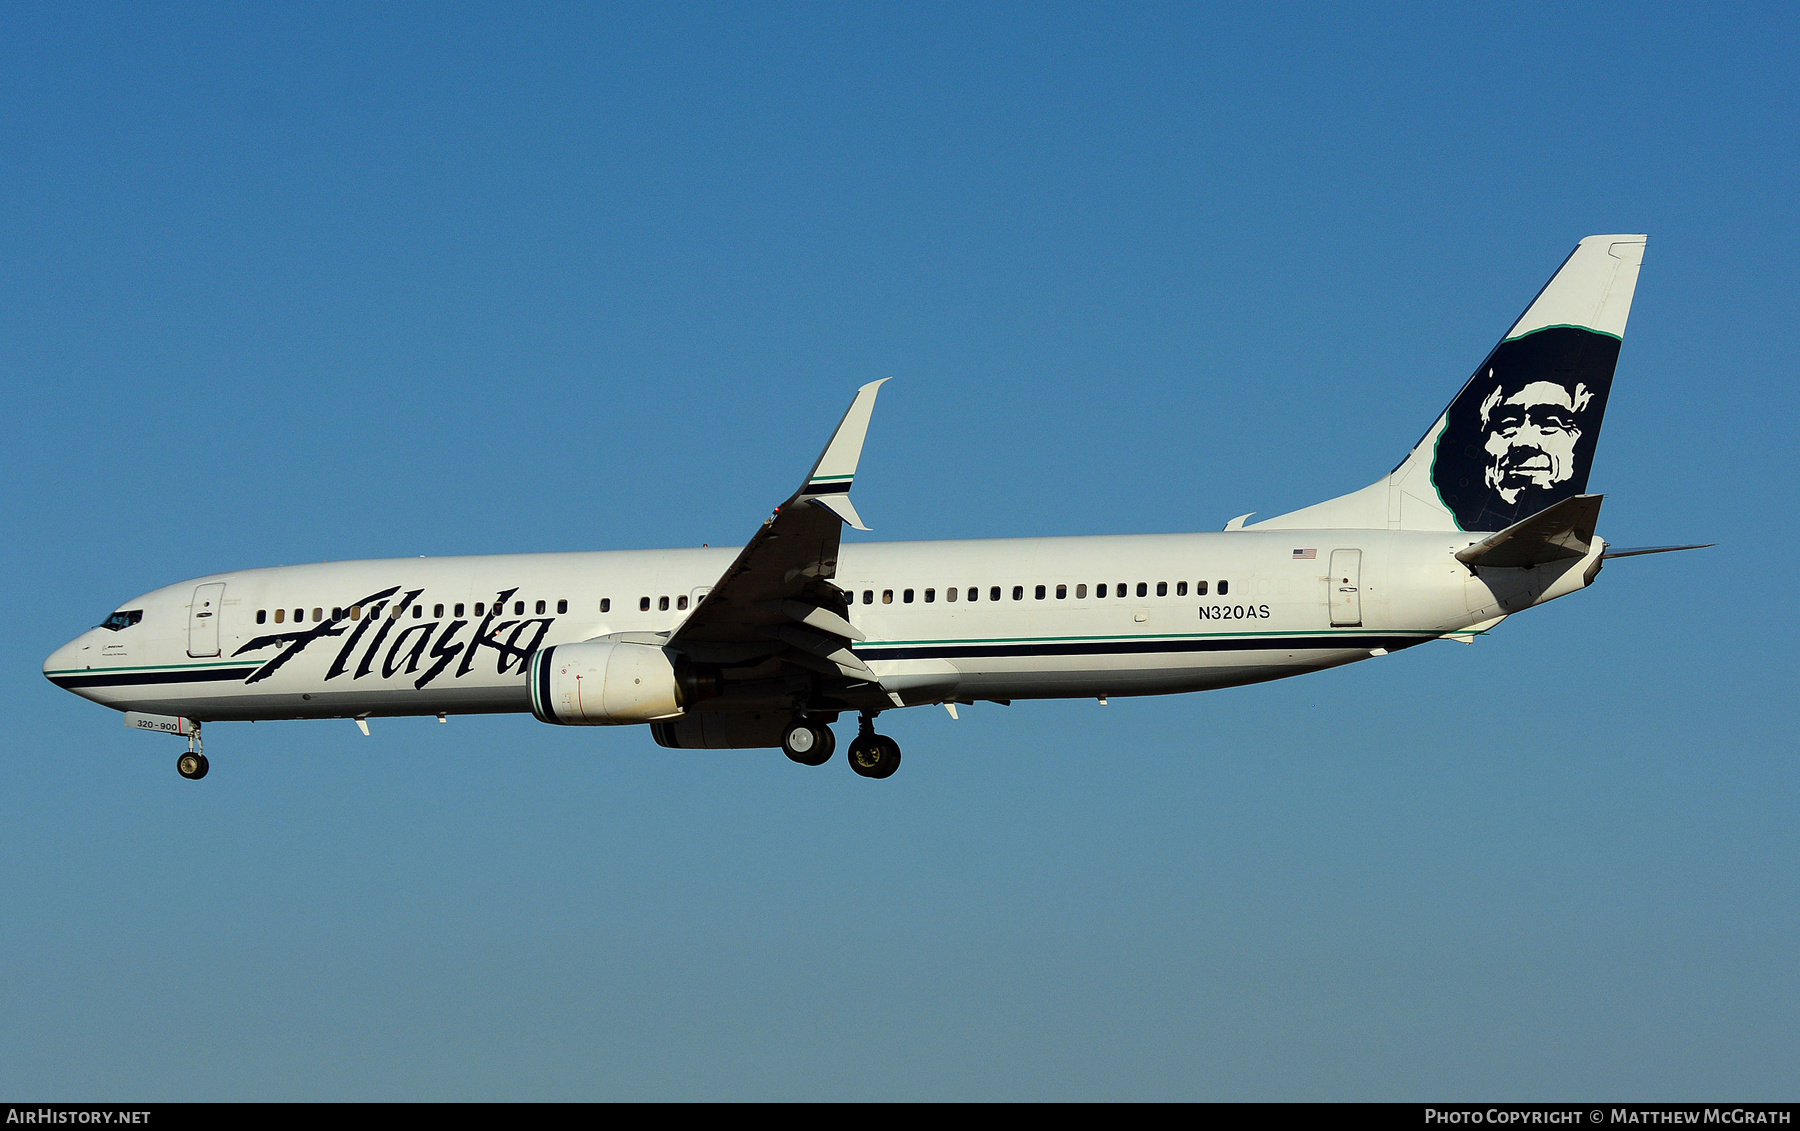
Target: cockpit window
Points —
{"points": [[122, 619]]}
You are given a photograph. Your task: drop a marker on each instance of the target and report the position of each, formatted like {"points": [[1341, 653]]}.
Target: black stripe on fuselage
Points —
{"points": [[950, 650], [139, 679]]}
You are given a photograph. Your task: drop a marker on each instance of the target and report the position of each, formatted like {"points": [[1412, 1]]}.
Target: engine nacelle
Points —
{"points": [[723, 730], [605, 682]]}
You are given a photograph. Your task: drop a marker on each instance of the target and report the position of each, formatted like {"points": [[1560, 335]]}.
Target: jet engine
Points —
{"points": [[606, 682], [724, 730]]}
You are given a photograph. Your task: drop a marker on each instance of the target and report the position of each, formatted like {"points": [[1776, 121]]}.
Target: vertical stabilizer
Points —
{"points": [[1521, 434]]}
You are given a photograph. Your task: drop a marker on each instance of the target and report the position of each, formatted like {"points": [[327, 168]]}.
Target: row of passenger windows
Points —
{"points": [[355, 612], [1040, 592], [970, 593]]}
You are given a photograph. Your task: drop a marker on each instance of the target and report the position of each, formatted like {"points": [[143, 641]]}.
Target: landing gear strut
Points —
{"points": [[808, 743], [873, 755], [192, 765]]}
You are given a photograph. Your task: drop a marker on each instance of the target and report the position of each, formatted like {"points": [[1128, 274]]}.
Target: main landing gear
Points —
{"points": [[873, 755], [812, 743], [808, 743], [192, 765]]}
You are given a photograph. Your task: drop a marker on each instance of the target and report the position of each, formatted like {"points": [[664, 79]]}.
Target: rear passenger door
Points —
{"points": [[1346, 588]]}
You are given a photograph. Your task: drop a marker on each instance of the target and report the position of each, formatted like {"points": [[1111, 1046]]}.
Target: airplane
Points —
{"points": [[768, 645]]}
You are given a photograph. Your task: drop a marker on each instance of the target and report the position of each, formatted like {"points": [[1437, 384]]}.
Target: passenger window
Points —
{"points": [[459, 610], [1143, 590], [1100, 590], [262, 616], [868, 596], [662, 604], [562, 606], [1018, 592], [950, 594], [974, 593], [605, 605], [299, 616], [356, 612], [437, 611], [478, 605], [1224, 588], [1081, 592], [1199, 588], [680, 602], [280, 615], [907, 597], [337, 613], [1162, 589], [540, 608], [318, 615], [1121, 589], [930, 596], [1181, 588], [887, 596], [518, 608], [993, 592], [418, 612], [1038, 593]]}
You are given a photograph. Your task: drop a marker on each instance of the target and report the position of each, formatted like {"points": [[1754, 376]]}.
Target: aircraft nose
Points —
{"points": [[67, 658]]}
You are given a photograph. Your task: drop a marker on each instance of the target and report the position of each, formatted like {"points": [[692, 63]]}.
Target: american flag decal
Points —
{"points": [[1305, 555]]}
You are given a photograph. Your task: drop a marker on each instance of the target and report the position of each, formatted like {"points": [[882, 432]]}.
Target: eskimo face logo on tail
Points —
{"points": [[1531, 436], [1521, 435]]}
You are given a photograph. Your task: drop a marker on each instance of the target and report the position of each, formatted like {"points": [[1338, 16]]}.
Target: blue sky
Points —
{"points": [[334, 282]]}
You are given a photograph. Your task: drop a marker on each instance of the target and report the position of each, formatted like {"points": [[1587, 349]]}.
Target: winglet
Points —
{"points": [[828, 484]]}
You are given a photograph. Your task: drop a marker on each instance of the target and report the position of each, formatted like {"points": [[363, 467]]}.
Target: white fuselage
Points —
{"points": [[427, 636]]}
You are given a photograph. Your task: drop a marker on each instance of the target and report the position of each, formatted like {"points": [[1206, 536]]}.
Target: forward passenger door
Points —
{"points": [[203, 620]]}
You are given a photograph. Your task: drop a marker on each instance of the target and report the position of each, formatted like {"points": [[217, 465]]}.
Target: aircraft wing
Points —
{"points": [[776, 599]]}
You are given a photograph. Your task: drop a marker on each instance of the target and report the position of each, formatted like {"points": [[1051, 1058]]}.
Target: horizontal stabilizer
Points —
{"points": [[1557, 533], [1639, 551]]}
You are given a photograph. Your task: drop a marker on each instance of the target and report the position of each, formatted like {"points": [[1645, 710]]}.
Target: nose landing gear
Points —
{"points": [[873, 755], [192, 765]]}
